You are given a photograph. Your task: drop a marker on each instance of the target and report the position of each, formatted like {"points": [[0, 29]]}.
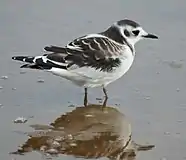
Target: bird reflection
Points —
{"points": [[87, 132]]}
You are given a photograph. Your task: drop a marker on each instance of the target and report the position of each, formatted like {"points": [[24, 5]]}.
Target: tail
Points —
{"points": [[38, 62], [29, 60]]}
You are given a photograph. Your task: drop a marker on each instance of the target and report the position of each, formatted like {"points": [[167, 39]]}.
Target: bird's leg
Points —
{"points": [[85, 98], [105, 92], [106, 97], [105, 102]]}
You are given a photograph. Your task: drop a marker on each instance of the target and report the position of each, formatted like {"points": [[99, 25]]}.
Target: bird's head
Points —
{"points": [[132, 32]]}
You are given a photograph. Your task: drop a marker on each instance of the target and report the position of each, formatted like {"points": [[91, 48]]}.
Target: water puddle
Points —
{"points": [[93, 131]]}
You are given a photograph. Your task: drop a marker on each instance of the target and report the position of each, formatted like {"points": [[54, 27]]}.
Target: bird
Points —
{"points": [[92, 60]]}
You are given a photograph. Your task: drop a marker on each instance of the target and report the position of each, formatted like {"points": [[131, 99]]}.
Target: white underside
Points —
{"points": [[89, 77]]}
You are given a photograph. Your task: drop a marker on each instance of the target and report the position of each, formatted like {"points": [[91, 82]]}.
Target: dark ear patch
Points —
{"points": [[136, 32], [126, 33]]}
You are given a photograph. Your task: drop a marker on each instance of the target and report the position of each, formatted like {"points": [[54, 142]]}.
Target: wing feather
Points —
{"points": [[97, 52]]}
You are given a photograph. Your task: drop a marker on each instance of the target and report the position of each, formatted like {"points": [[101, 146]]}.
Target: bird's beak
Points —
{"points": [[150, 36]]}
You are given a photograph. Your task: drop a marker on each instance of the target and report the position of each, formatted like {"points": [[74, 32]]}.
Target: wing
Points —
{"points": [[94, 51]]}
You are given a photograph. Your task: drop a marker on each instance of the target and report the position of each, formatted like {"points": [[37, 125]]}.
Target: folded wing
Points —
{"points": [[96, 52]]}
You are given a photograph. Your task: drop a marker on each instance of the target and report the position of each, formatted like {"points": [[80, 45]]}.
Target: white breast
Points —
{"points": [[126, 63]]}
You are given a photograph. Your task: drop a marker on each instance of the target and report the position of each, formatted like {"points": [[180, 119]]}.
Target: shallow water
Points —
{"points": [[151, 94], [93, 131]]}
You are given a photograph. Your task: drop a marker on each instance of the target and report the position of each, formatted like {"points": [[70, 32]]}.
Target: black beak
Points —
{"points": [[150, 36]]}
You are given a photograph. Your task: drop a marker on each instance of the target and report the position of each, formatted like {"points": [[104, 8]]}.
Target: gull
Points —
{"points": [[93, 60]]}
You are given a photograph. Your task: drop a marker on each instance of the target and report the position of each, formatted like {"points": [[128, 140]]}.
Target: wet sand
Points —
{"points": [[151, 94]]}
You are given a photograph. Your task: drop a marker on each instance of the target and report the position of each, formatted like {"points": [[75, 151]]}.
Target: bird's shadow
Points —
{"points": [[93, 131]]}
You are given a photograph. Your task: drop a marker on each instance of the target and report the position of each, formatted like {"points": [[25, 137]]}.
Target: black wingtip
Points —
{"points": [[25, 66], [55, 49], [14, 57], [47, 48], [19, 58], [31, 66]]}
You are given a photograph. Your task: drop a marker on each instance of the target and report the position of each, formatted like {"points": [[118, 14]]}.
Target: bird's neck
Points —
{"points": [[131, 46], [114, 34]]}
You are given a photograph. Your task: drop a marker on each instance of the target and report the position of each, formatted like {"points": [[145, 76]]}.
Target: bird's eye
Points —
{"points": [[126, 33], [135, 32]]}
